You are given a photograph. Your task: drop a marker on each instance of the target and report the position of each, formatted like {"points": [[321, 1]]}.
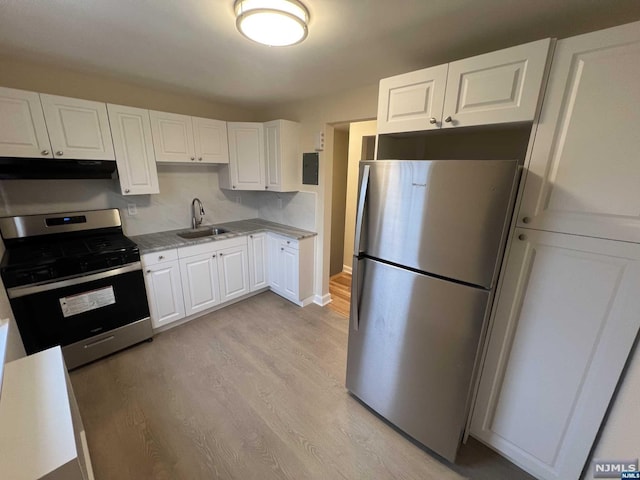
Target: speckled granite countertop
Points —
{"points": [[153, 242]]}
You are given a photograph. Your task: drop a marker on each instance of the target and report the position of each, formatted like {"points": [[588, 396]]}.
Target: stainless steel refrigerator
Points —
{"points": [[428, 243]]}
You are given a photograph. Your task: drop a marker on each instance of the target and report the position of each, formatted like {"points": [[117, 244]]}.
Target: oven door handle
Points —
{"points": [[17, 292]]}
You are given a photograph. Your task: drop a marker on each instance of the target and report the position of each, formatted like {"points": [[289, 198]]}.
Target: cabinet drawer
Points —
{"points": [[158, 257], [211, 246], [285, 241]]}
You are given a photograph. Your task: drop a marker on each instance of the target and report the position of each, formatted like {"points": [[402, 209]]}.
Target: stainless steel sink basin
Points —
{"points": [[202, 232]]}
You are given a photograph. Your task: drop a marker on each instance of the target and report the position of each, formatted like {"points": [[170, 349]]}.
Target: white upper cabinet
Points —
{"points": [[564, 324], [172, 137], [78, 129], [246, 156], [184, 139], [497, 87], [584, 173], [412, 101], [283, 156], [23, 132], [210, 140], [133, 144]]}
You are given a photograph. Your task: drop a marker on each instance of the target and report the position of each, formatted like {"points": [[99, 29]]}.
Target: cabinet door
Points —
{"points": [[246, 155], [290, 266], [276, 267], [210, 140], [133, 144], [497, 87], [233, 269], [78, 129], [200, 282], [258, 261], [273, 160], [164, 293], [172, 137], [564, 323], [412, 101], [22, 129], [584, 172]]}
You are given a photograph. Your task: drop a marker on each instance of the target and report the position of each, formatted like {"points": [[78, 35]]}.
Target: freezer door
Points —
{"points": [[412, 355], [446, 217]]}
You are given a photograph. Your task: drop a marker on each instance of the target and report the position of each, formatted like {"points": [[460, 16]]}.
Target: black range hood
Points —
{"points": [[46, 168]]}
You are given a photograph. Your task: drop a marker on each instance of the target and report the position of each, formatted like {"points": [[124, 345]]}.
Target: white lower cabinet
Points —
{"points": [[564, 323], [200, 282], [164, 288], [258, 266], [291, 268], [233, 272]]}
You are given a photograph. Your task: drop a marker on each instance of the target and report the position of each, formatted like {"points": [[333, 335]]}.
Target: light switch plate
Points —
{"points": [[132, 209]]}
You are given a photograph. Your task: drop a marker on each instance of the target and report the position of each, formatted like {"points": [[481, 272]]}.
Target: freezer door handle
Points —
{"points": [[364, 185], [355, 292]]}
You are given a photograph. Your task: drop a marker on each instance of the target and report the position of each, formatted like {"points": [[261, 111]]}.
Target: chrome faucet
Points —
{"points": [[195, 223]]}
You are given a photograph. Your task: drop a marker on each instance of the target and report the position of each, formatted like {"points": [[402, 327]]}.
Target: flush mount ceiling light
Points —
{"points": [[276, 23]]}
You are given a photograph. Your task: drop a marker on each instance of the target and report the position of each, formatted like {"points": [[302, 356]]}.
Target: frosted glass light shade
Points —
{"points": [[276, 23]]}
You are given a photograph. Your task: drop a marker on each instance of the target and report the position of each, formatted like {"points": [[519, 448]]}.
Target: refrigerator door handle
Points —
{"points": [[355, 293], [364, 185]]}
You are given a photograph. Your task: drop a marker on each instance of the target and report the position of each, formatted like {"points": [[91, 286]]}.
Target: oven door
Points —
{"points": [[66, 311]]}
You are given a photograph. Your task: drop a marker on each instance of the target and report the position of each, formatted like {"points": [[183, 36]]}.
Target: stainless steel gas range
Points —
{"points": [[74, 279]]}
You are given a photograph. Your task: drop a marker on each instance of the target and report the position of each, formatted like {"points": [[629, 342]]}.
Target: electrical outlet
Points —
{"points": [[132, 208], [238, 198], [279, 202]]}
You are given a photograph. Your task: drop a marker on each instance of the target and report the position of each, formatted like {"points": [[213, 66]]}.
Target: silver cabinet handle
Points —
{"points": [[364, 185], [526, 220], [448, 119], [433, 120], [59, 153], [126, 190], [45, 152]]}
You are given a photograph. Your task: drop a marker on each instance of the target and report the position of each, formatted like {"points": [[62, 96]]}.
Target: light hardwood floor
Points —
{"points": [[340, 290], [252, 391]]}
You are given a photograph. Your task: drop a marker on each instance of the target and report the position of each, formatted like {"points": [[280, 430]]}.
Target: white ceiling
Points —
{"points": [[193, 45]]}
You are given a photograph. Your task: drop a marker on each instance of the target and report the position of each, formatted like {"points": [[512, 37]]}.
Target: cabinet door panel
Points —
{"points": [[408, 102], [131, 130], [584, 172], [273, 156], [246, 156], [564, 324], [276, 268], [210, 137], [78, 129], [164, 292], [22, 128], [497, 87], [258, 261], [290, 264], [200, 282], [234, 272], [172, 137]]}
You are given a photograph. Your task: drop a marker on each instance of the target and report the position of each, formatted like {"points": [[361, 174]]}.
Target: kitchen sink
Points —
{"points": [[202, 232]]}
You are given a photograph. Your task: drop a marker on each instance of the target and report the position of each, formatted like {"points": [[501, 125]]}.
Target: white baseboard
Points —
{"points": [[346, 269], [322, 300]]}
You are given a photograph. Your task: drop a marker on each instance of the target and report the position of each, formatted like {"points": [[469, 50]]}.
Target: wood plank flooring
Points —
{"points": [[340, 290], [252, 391]]}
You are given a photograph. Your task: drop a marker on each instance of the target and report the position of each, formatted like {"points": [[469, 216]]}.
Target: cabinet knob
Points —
{"points": [[250, 236], [433, 120], [213, 256], [282, 248], [126, 190], [199, 159], [45, 152], [522, 237], [288, 242], [448, 119], [193, 158], [234, 186], [59, 153], [526, 220], [266, 187], [221, 254], [148, 271], [161, 257]]}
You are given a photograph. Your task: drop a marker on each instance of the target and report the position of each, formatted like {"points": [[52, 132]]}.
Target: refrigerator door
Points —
{"points": [[412, 356], [445, 217]]}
